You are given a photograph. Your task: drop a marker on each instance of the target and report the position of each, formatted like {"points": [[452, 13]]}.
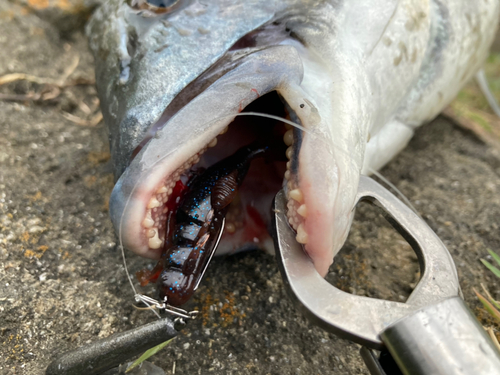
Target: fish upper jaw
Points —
{"points": [[315, 171]]}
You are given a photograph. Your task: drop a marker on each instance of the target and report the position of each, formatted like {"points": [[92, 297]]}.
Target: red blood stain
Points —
{"points": [[146, 276], [178, 191], [255, 228], [255, 216]]}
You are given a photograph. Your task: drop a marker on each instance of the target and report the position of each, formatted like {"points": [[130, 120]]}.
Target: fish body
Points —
{"points": [[358, 77]]}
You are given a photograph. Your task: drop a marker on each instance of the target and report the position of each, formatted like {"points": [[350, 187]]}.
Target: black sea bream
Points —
{"points": [[358, 76]]}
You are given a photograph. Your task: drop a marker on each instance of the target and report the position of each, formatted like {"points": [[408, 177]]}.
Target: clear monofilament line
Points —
{"points": [[396, 190]]}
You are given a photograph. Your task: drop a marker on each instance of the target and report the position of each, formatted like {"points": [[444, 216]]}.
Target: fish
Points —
{"points": [[180, 81]]}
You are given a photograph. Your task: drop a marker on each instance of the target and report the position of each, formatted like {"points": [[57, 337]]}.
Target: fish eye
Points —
{"points": [[162, 3], [154, 6]]}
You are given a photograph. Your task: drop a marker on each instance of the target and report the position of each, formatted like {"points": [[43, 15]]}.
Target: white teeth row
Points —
{"points": [[161, 196], [297, 210], [156, 213]]}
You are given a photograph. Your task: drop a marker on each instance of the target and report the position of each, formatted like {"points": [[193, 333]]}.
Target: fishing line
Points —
{"points": [[259, 114], [396, 190]]}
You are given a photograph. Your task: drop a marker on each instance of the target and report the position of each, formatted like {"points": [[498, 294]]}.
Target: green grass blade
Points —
{"points": [[147, 354], [494, 256], [494, 303], [488, 306], [490, 298], [491, 267]]}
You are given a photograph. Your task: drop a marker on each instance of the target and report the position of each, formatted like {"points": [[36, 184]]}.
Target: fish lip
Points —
{"points": [[272, 69]]}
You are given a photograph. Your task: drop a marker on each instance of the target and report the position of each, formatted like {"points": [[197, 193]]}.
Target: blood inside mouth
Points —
{"points": [[248, 214]]}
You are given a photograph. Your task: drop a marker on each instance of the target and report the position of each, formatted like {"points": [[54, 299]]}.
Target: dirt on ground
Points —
{"points": [[62, 281]]}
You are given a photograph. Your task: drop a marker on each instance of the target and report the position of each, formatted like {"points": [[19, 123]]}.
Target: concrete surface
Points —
{"points": [[62, 282]]}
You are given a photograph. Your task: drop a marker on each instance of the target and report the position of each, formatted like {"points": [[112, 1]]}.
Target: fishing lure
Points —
{"points": [[193, 229]]}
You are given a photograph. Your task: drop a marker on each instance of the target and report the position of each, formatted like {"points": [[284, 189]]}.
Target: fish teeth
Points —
{"points": [[288, 137], [213, 143], [302, 210], [153, 203], [302, 236], [296, 195], [161, 190], [289, 153], [155, 242], [148, 221]]}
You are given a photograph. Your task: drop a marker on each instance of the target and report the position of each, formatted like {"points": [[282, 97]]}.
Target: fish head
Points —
{"points": [[177, 80]]}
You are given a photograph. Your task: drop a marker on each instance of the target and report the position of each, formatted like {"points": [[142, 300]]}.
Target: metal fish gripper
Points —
{"points": [[433, 332]]}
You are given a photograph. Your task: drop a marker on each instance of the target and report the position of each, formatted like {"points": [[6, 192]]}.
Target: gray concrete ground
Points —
{"points": [[62, 283]]}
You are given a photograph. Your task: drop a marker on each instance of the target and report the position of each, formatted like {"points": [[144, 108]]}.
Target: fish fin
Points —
{"points": [[385, 144]]}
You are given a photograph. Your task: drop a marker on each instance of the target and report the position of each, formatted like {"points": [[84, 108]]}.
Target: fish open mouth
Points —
{"points": [[209, 128], [249, 214]]}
